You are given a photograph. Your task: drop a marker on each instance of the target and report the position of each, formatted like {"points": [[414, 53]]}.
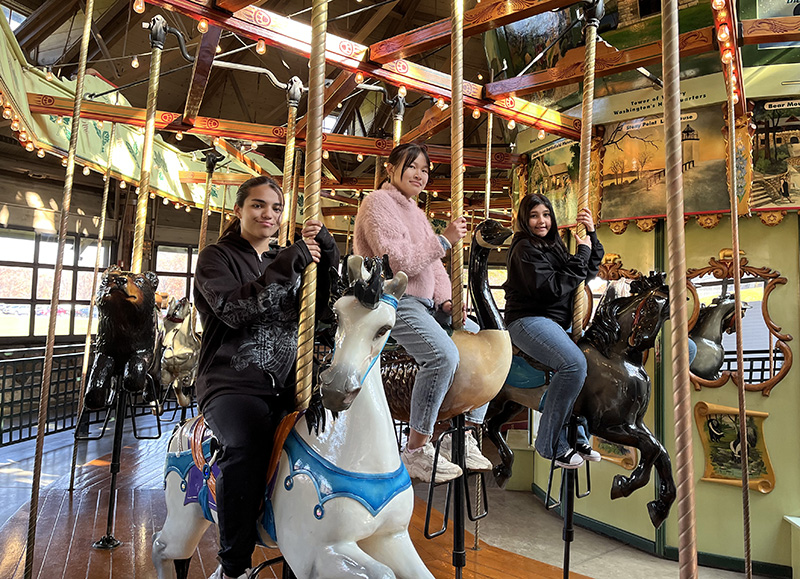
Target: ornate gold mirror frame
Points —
{"points": [[722, 268]]}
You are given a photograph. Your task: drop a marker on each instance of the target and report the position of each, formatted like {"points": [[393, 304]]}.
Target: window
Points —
{"points": [[27, 273], [175, 270], [14, 18], [649, 8]]}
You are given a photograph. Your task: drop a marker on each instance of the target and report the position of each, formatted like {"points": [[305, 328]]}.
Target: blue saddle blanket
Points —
{"points": [[523, 375]]}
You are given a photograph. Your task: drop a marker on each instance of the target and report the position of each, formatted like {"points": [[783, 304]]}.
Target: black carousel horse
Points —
{"points": [[707, 332], [616, 392]]}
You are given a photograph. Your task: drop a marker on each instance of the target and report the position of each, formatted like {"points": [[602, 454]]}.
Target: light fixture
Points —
{"points": [[63, 161], [735, 97], [402, 91], [476, 113], [480, 76], [440, 103], [15, 125], [359, 157], [86, 171], [215, 141], [325, 154], [135, 61], [218, 49], [152, 195], [253, 145], [431, 214], [359, 77], [59, 120], [49, 73], [430, 167], [138, 6], [105, 178], [202, 26], [179, 136], [261, 46], [40, 153], [435, 193], [385, 164], [122, 184], [188, 208], [23, 136], [542, 134], [333, 193], [165, 201], [29, 146], [512, 124], [718, 4], [338, 106], [723, 34], [727, 56], [8, 113], [177, 205]]}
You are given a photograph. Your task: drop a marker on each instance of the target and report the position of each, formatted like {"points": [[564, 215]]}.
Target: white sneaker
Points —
{"points": [[475, 459], [571, 460], [588, 453], [420, 464], [218, 574]]}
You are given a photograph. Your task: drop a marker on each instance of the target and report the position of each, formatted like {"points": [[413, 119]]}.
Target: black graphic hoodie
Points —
{"points": [[249, 307]]}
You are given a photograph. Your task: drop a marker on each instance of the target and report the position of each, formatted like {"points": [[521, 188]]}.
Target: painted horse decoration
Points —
{"points": [[616, 392], [340, 501], [485, 357], [707, 332], [180, 351]]}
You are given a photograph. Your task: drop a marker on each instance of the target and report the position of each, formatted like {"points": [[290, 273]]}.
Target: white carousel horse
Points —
{"points": [[342, 500], [181, 351]]}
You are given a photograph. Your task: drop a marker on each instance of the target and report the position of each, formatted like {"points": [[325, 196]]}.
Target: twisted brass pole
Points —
{"points": [[298, 158], [66, 202], [457, 154], [157, 24], [397, 130], [737, 294], [201, 243], [487, 200], [676, 243], [87, 346], [222, 211], [288, 168], [311, 201], [590, 49], [378, 172]]}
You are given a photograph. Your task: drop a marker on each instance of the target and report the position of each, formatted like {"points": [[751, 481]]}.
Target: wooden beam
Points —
{"points": [[609, 61], [342, 86], [294, 36], [771, 30], [167, 121], [43, 22], [433, 121], [201, 72], [480, 19]]}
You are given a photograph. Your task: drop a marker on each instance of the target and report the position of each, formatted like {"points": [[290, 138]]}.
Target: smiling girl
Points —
{"points": [[542, 278]]}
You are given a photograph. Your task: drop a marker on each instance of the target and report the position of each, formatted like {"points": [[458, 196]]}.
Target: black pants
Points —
{"points": [[245, 426]]}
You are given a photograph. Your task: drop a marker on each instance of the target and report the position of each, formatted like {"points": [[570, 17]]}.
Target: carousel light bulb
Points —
{"points": [[15, 125], [29, 146], [215, 141], [177, 205], [40, 153], [188, 209], [431, 214], [59, 120], [165, 201], [718, 4], [218, 49], [325, 154], [359, 78], [261, 46], [402, 91], [202, 26], [359, 157], [722, 15], [152, 195], [49, 74], [385, 164], [440, 103], [430, 167], [122, 184], [7, 113], [727, 56], [735, 98], [135, 61], [86, 171], [448, 214], [512, 124], [23, 136], [179, 136], [63, 161], [435, 194], [480, 76], [333, 193], [138, 6], [542, 134], [723, 34], [253, 145], [105, 178], [476, 113]]}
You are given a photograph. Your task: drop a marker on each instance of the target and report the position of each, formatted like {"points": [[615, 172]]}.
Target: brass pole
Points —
{"points": [[590, 45], [201, 242], [676, 244], [298, 159], [488, 196], [87, 346], [457, 154], [66, 202], [311, 201], [293, 101], [158, 28], [222, 213], [378, 172], [737, 294]]}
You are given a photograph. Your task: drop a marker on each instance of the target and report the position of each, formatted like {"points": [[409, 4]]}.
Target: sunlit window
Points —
{"points": [[13, 17], [175, 270]]}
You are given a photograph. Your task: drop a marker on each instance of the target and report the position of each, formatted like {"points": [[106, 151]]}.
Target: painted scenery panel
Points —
{"points": [[554, 173], [776, 155], [633, 169]]}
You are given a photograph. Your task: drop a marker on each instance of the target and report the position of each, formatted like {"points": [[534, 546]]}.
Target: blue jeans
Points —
{"points": [[418, 331], [545, 341]]}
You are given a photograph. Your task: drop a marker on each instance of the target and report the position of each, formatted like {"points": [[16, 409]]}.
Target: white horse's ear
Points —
{"points": [[355, 268], [397, 285]]}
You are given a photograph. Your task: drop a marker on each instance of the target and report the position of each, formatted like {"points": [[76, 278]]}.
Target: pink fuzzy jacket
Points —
{"points": [[388, 223]]}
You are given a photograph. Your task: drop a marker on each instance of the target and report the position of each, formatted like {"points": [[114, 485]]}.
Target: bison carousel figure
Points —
{"points": [[339, 503]]}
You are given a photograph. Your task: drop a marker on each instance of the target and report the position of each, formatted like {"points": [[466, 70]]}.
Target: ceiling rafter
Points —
{"points": [[201, 72]]}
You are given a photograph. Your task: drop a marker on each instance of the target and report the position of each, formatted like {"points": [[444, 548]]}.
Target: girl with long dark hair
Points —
{"points": [[246, 291], [542, 278]]}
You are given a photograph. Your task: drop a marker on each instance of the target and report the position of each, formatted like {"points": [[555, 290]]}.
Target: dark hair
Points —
{"points": [[552, 239], [405, 154], [243, 193]]}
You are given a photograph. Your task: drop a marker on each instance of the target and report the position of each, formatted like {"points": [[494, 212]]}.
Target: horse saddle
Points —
{"points": [[526, 372]]}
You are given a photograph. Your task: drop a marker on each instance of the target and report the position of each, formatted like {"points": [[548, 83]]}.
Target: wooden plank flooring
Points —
{"points": [[70, 522]]}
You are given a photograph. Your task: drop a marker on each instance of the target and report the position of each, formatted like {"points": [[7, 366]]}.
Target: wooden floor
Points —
{"points": [[70, 522]]}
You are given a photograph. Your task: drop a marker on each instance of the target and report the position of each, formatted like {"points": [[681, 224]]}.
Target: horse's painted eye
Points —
{"points": [[382, 332]]}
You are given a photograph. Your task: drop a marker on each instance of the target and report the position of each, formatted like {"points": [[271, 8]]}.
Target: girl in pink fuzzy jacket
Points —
{"points": [[390, 222]]}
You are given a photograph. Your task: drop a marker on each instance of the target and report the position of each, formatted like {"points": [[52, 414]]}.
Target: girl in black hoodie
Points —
{"points": [[246, 291], [542, 278]]}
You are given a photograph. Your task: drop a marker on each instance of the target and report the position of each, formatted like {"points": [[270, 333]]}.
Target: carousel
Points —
{"points": [[128, 126]]}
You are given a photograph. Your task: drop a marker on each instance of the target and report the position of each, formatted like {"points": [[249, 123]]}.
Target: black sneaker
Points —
{"points": [[570, 460], [587, 452]]}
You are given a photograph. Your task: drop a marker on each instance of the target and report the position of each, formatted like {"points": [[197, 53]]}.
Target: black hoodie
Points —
{"points": [[249, 308], [541, 280]]}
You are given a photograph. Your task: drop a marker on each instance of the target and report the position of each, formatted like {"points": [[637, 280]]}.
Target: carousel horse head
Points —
{"points": [[365, 315], [639, 316], [712, 321]]}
